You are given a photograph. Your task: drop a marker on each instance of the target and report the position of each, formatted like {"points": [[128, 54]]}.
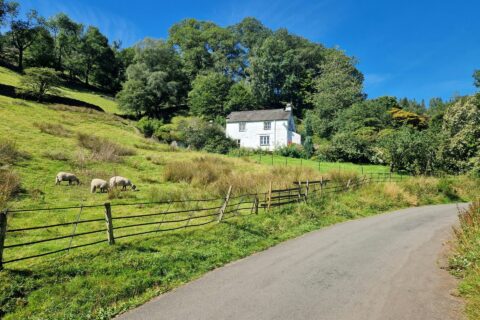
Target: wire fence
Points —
{"points": [[81, 226]]}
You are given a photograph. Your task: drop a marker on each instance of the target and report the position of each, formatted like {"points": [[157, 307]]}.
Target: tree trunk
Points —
{"points": [[20, 59]]}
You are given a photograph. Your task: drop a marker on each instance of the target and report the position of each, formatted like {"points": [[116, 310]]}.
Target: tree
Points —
{"points": [[249, 34], [41, 52], [39, 82], [240, 98], [410, 150], [403, 117], [339, 86], [282, 68], [66, 34], [308, 142], [208, 95], [461, 126], [476, 78], [96, 56], [156, 84], [23, 34], [204, 46], [7, 8]]}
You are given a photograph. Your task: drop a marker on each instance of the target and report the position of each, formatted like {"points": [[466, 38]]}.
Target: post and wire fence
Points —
{"points": [[86, 225]]}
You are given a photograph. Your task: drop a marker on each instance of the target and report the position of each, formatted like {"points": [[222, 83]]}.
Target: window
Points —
{"points": [[238, 142], [267, 125], [264, 140], [241, 126]]}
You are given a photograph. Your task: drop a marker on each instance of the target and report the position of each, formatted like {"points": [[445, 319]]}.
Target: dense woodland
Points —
{"points": [[181, 88]]}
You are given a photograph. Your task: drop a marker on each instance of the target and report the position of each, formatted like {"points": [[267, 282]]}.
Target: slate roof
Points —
{"points": [[259, 115]]}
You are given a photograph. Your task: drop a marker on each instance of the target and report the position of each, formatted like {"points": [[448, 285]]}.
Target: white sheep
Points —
{"points": [[66, 176], [122, 182], [100, 184]]}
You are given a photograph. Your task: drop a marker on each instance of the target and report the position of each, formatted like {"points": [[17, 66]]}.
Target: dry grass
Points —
{"points": [[216, 175], [103, 149], [342, 177], [9, 186], [9, 153], [397, 193], [54, 129], [157, 160], [56, 155]]}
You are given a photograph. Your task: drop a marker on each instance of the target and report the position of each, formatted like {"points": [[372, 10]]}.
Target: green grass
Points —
{"points": [[466, 261], [320, 166], [108, 104]]}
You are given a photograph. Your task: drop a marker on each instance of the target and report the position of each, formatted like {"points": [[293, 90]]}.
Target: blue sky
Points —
{"points": [[418, 49]]}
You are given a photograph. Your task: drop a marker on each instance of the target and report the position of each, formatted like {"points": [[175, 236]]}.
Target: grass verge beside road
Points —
{"points": [[465, 263]]}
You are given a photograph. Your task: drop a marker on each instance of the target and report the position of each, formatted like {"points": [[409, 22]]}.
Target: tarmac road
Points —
{"points": [[381, 267]]}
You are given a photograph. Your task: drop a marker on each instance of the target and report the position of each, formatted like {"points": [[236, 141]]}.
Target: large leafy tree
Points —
{"points": [[240, 98], [409, 149], [282, 69], [23, 33], [41, 52], [7, 8], [205, 46], [156, 84], [339, 86], [96, 57], [250, 34], [461, 126], [209, 94], [66, 35]]}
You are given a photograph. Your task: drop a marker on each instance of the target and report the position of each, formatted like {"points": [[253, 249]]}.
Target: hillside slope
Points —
{"points": [[108, 104]]}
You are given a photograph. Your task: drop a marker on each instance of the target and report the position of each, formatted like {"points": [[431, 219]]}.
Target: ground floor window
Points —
{"points": [[238, 142], [264, 140]]}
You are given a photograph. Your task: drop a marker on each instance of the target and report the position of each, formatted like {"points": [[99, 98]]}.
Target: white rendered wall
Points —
{"points": [[250, 138]]}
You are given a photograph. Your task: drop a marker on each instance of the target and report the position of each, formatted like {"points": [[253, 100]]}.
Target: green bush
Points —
{"points": [[148, 126], [291, 151]]}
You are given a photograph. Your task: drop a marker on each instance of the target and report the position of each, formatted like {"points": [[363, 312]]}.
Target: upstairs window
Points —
{"points": [[267, 125], [241, 126], [264, 140]]}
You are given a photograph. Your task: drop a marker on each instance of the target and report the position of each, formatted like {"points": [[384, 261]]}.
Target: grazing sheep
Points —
{"points": [[122, 182], [98, 184], [66, 176]]}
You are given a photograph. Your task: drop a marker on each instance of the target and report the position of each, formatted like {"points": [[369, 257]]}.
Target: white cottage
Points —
{"points": [[265, 129]]}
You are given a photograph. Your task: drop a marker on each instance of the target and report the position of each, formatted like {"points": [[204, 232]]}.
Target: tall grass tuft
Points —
{"points": [[9, 186], [9, 153], [342, 177], [103, 149], [54, 129]]}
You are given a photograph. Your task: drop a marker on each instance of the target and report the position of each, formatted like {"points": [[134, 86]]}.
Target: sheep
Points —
{"points": [[122, 182], [66, 176], [98, 184]]}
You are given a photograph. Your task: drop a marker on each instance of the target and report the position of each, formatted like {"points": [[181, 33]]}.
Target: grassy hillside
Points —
{"points": [[108, 104]]}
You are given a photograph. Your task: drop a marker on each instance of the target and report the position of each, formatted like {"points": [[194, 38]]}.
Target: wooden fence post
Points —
{"points": [[269, 196], [224, 206], [256, 204], [3, 234], [307, 187], [321, 186], [299, 190], [108, 220]]}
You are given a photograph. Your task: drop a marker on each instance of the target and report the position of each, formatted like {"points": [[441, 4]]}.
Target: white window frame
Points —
{"points": [[264, 140], [242, 126], [238, 142], [267, 125]]}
